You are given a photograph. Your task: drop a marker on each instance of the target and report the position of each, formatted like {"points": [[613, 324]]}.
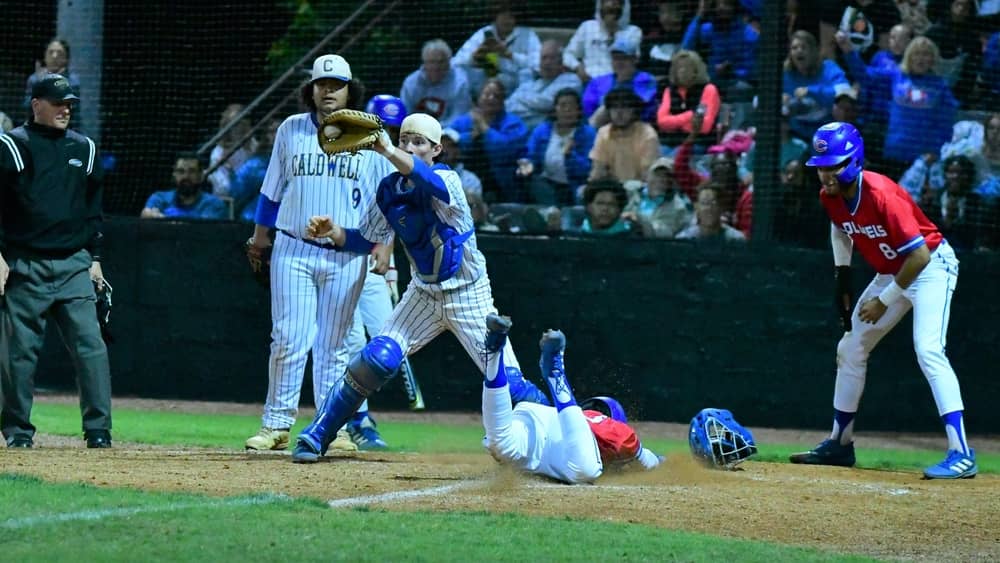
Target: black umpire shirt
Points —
{"points": [[50, 191]]}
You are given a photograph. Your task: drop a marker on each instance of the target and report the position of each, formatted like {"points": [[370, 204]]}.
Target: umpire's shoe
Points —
{"points": [[268, 439], [828, 452], [97, 438], [20, 442], [955, 465]]}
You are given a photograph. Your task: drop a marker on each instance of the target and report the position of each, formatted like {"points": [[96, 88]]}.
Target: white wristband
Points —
{"points": [[890, 294]]}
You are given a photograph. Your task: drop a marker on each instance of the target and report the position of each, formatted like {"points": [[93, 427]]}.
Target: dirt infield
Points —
{"points": [[877, 513]]}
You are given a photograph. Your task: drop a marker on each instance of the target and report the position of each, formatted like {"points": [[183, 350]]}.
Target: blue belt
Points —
{"points": [[310, 242]]}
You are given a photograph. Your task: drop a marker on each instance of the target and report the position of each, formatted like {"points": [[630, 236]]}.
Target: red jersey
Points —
{"points": [[616, 441], [883, 221]]}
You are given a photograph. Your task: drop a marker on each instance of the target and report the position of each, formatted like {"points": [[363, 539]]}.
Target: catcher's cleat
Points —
{"points": [[304, 452], [342, 443], [955, 465], [268, 439], [828, 452], [365, 436], [497, 327]]}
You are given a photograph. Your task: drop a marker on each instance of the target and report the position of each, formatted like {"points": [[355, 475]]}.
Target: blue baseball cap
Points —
{"points": [[626, 47]]}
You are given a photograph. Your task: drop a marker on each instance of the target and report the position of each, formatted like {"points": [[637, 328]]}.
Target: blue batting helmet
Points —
{"points": [[390, 109], [606, 406], [835, 143], [717, 440]]}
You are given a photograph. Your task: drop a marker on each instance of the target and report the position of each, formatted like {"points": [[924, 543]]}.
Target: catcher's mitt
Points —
{"points": [[260, 262], [348, 130]]}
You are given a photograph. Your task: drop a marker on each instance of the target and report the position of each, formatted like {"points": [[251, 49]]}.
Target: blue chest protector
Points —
{"points": [[433, 247]]}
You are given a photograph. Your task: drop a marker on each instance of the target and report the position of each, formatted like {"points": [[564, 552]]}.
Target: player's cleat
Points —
{"points": [[553, 342], [268, 439], [497, 327], [955, 465], [828, 452], [20, 442], [417, 404], [342, 443], [365, 436], [304, 452]]}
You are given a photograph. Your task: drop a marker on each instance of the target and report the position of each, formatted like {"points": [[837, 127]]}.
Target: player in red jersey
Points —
{"points": [[564, 442], [915, 268]]}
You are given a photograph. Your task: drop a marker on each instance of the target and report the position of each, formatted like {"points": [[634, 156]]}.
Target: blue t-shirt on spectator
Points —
{"points": [[207, 206], [735, 43], [245, 188], [643, 84]]}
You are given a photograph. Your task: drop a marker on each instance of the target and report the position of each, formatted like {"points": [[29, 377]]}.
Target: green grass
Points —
{"points": [[229, 431], [101, 524]]}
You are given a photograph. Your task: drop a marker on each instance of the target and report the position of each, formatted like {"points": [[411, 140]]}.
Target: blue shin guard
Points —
{"points": [[377, 362], [523, 390]]}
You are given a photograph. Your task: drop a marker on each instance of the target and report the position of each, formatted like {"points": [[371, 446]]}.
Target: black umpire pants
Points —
{"points": [[39, 289]]}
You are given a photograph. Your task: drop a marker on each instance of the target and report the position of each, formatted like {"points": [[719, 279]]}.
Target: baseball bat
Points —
{"points": [[413, 393]]}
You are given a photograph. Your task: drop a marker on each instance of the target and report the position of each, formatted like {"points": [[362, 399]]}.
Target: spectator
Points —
{"points": [[451, 154], [991, 144], [799, 218], [659, 207], [222, 177], [875, 97], [922, 109], [502, 50], [6, 123], [709, 225], [965, 219], [735, 196], [587, 52], [625, 148], [480, 211], [557, 159], [624, 56], [491, 139], [792, 148], [604, 201], [927, 173], [665, 41], [55, 60], [728, 45], [960, 48], [867, 22], [437, 88], [533, 100], [845, 105], [690, 91], [990, 74], [187, 200], [249, 177], [808, 84], [913, 14]]}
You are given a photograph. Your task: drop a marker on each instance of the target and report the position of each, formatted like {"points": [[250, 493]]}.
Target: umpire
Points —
{"points": [[50, 252]]}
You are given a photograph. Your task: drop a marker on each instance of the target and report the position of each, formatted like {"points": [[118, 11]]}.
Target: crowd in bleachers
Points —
{"points": [[654, 124]]}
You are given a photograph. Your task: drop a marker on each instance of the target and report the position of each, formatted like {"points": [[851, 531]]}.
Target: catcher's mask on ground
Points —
{"points": [[718, 441], [607, 406]]}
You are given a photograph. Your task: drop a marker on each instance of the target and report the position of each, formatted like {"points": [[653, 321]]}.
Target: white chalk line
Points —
{"points": [[399, 496], [60, 517]]}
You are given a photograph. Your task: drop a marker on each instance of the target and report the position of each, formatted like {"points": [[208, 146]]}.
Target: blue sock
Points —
{"points": [[954, 427], [523, 390], [555, 375], [495, 368], [359, 417], [843, 427], [340, 404]]}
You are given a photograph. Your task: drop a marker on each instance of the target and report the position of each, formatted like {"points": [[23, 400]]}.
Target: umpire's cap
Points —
{"points": [[331, 66], [54, 88]]}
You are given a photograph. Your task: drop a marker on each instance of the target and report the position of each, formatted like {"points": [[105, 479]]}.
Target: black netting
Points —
{"points": [[170, 69]]}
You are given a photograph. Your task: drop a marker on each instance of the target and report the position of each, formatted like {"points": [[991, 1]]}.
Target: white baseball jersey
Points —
{"points": [[460, 303], [314, 289]]}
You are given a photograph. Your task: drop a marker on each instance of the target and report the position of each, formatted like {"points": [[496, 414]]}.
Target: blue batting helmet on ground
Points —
{"points": [[390, 109], [606, 406], [717, 440], [836, 143]]}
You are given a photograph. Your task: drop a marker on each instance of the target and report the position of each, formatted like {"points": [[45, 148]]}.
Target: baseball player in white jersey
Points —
{"points": [[569, 442], [424, 205], [314, 285]]}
